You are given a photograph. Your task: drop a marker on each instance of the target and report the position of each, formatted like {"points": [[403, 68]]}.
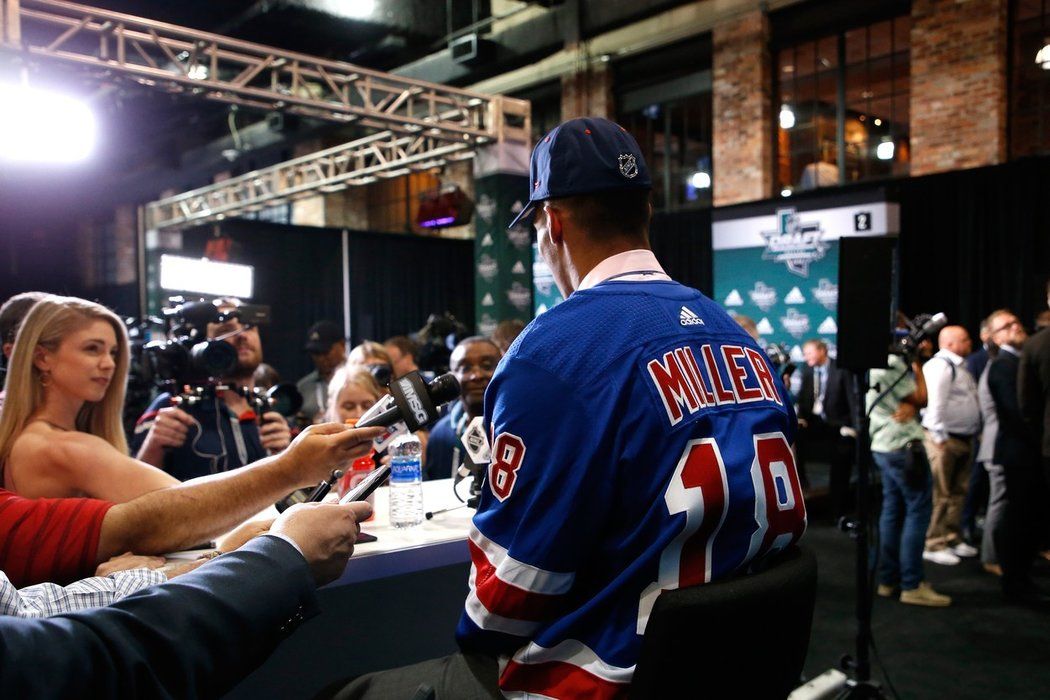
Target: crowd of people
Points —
{"points": [[954, 435], [640, 441]]}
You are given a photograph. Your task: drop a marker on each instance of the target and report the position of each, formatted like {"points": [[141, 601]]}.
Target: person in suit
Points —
{"points": [[978, 490], [194, 637], [1016, 449], [996, 481], [826, 405], [1033, 380]]}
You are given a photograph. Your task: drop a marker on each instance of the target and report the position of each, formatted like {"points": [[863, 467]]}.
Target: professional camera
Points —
{"points": [[382, 374], [436, 340], [780, 356], [283, 398], [914, 331], [188, 358]]}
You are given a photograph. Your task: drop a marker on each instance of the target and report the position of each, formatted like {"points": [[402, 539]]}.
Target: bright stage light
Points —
{"points": [[43, 126], [700, 180], [884, 151], [206, 276], [1043, 57], [787, 117]]}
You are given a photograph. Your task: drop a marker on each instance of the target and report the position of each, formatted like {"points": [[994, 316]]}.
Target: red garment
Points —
{"points": [[49, 539]]}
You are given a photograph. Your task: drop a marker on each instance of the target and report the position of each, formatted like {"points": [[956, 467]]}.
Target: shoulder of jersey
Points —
{"points": [[578, 338]]}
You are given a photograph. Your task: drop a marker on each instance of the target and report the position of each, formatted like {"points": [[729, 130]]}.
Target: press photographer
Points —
{"points": [[218, 422], [893, 403]]}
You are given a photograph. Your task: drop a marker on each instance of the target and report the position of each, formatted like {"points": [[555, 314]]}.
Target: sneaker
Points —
{"points": [[941, 556], [964, 550], [925, 595], [885, 591]]}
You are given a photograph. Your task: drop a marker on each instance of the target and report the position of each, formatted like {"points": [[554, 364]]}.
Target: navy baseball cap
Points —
{"points": [[584, 156]]}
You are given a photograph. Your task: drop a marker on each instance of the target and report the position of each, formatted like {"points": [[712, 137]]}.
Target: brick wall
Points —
{"points": [[958, 84], [588, 93], [743, 159]]}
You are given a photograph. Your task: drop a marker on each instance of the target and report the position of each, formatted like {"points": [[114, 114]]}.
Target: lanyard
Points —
{"points": [[632, 273]]}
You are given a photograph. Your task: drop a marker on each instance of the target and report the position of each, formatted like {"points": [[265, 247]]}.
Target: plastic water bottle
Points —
{"points": [[406, 482]]}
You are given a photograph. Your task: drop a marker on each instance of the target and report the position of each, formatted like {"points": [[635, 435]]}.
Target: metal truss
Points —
{"points": [[426, 124], [359, 162]]}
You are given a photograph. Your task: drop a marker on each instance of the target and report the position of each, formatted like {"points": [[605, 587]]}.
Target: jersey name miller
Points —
{"points": [[714, 376]]}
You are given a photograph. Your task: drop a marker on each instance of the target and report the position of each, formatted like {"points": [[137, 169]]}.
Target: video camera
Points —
{"points": [[191, 367], [436, 340], [780, 356], [188, 357], [915, 330]]}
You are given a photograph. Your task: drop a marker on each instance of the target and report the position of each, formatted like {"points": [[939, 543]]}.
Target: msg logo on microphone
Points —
{"points": [[414, 401]]}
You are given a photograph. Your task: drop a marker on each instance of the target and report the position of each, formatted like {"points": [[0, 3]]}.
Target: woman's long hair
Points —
{"points": [[50, 321], [349, 375]]}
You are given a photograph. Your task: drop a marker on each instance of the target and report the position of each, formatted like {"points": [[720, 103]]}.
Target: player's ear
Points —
{"points": [[555, 230]]}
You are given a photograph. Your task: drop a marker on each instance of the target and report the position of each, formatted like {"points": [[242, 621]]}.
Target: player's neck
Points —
{"points": [[588, 256]]}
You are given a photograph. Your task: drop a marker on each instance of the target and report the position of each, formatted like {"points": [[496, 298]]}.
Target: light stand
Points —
{"points": [[861, 685]]}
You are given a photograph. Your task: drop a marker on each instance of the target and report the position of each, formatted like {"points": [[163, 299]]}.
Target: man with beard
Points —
{"points": [[473, 361], [221, 432]]}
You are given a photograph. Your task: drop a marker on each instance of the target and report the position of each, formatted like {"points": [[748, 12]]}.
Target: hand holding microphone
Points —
{"points": [[412, 405]]}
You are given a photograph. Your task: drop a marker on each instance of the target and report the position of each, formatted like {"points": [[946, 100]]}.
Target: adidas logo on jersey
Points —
{"points": [[688, 318]]}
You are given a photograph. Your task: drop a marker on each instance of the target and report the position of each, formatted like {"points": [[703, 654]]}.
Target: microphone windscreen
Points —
{"points": [[443, 389]]}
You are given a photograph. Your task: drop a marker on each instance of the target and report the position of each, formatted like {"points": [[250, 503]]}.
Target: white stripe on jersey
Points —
{"points": [[491, 622], [519, 574], [576, 653]]}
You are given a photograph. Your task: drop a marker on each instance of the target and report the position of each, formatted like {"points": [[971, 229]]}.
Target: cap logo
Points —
{"points": [[628, 165]]}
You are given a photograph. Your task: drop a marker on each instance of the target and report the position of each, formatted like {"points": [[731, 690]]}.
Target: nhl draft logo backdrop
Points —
{"points": [[502, 257], [781, 269]]}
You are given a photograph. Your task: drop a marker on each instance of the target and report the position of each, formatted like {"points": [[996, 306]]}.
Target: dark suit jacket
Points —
{"points": [[1014, 443], [1033, 385], [976, 362], [193, 637], [839, 398]]}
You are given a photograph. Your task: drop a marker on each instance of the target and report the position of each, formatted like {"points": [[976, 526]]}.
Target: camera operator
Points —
{"points": [[221, 431], [896, 447]]}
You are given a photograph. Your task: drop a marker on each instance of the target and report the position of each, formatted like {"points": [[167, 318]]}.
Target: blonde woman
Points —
{"points": [[351, 391], [60, 429]]}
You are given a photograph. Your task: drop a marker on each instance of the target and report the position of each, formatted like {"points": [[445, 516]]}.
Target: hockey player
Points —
{"points": [[640, 442]]}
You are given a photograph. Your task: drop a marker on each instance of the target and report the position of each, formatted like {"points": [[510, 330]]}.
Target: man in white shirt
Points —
{"points": [[951, 421]]}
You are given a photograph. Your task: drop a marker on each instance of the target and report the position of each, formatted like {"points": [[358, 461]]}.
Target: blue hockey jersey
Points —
{"points": [[640, 442]]}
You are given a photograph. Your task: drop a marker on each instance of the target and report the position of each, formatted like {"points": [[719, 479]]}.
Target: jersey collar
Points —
{"points": [[622, 265]]}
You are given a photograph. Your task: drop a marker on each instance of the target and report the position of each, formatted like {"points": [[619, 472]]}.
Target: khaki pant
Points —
{"points": [[950, 465]]}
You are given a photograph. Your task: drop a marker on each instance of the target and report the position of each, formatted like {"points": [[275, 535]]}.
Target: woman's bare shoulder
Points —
{"points": [[55, 447]]}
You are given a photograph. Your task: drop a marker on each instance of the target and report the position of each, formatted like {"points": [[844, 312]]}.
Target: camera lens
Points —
{"points": [[213, 358]]}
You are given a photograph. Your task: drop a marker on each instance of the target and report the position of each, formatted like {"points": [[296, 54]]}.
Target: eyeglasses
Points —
{"points": [[1005, 326]]}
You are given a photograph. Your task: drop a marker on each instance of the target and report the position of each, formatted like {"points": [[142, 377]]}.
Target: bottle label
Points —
{"points": [[405, 470]]}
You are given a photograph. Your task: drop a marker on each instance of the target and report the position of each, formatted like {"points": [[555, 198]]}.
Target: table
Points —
{"points": [[396, 603]]}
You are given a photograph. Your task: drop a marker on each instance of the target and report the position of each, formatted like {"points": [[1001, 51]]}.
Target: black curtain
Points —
{"points": [[682, 243], [396, 281], [976, 240]]}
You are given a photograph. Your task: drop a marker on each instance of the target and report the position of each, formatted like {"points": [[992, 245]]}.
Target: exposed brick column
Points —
{"points": [[958, 84], [743, 145], [588, 93]]}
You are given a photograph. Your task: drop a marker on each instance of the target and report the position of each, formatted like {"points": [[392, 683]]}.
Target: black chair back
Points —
{"points": [[745, 637]]}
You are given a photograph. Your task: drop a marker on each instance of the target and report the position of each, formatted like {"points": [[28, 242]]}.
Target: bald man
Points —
{"points": [[952, 419]]}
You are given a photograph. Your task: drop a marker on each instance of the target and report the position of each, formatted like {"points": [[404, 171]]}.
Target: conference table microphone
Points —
{"points": [[411, 405]]}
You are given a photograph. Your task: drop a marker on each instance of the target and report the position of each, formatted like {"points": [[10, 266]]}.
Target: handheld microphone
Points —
{"points": [[412, 402]]}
